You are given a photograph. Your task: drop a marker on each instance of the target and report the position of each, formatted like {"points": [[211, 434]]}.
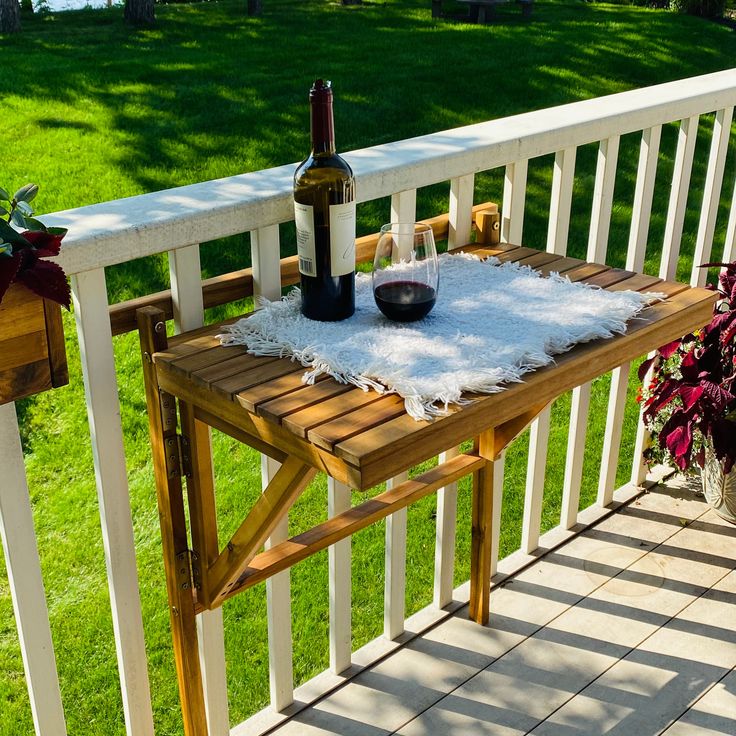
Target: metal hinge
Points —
{"points": [[187, 570], [178, 459]]}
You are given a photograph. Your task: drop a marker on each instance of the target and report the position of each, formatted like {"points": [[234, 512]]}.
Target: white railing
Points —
{"points": [[176, 220]]}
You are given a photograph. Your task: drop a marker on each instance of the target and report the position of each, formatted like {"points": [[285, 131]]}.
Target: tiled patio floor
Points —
{"points": [[629, 628]]}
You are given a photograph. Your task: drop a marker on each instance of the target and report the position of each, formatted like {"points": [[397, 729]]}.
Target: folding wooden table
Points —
{"points": [[359, 438]]}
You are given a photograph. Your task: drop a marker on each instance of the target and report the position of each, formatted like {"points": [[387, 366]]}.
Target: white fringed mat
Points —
{"points": [[492, 323]]}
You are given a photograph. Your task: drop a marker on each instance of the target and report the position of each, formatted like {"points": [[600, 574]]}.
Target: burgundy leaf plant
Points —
{"points": [[689, 405], [24, 243]]}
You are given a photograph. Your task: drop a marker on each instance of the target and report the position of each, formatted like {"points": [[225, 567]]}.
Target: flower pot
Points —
{"points": [[719, 488], [32, 351]]}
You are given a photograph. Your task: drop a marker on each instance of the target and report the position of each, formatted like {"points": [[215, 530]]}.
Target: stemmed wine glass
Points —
{"points": [[405, 271]]}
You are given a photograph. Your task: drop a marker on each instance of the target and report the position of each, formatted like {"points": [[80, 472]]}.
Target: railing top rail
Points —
{"points": [[121, 230]]}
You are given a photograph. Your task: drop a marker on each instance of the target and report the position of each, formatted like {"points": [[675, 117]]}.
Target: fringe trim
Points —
{"points": [[425, 406]]}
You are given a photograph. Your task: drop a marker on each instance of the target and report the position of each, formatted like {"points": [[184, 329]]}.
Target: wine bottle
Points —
{"points": [[324, 213]]}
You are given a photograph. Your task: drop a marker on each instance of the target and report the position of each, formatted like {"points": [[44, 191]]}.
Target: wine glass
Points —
{"points": [[406, 271]]}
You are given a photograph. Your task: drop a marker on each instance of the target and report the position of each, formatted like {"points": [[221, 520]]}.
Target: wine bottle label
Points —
{"points": [[304, 220], [342, 238]]}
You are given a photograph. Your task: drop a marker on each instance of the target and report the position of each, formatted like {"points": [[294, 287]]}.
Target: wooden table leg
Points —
{"points": [[482, 512], [176, 555]]}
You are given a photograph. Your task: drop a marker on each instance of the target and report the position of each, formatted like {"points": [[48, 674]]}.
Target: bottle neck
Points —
{"points": [[323, 127]]}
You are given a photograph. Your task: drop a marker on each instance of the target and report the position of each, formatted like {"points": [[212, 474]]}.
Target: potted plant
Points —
{"points": [[32, 353], [690, 401]]}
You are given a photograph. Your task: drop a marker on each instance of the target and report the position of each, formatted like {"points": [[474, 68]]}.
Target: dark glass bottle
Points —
{"points": [[324, 212]]}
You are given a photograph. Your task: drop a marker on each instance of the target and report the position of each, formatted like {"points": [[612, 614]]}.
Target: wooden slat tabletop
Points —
{"points": [[370, 433]]}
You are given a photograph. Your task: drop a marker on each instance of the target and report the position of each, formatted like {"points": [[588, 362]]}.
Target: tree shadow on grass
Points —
{"points": [[212, 92]]}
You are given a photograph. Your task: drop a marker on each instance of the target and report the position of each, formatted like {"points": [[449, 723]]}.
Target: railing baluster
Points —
{"points": [[605, 179], [403, 209], [444, 544], [338, 500], [26, 584], [185, 275], [677, 208], [278, 612], [404, 206], [103, 410], [265, 259], [395, 556], [461, 211], [711, 194], [535, 470], [643, 193], [638, 235], [461, 221], [729, 247], [600, 222], [563, 177], [612, 434], [514, 200], [575, 455]]}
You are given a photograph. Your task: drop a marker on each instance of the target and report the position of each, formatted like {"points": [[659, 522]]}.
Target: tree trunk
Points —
{"points": [[9, 16], [138, 12]]}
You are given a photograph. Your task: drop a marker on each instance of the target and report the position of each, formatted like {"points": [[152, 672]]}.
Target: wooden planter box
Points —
{"points": [[32, 352]]}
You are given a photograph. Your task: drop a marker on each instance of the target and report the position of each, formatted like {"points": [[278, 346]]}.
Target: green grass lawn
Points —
{"points": [[93, 111]]}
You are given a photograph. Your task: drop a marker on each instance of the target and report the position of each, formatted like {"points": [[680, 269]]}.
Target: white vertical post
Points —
{"points": [[278, 605], [680, 187], [536, 465], [26, 585], [461, 221], [729, 248], [600, 222], [643, 193], [677, 208], [514, 200], [103, 410], [444, 541], [403, 210], [461, 211], [635, 256], [185, 276], [575, 455], [265, 251], [563, 177], [338, 500], [404, 206], [612, 436], [605, 179], [711, 194], [395, 557]]}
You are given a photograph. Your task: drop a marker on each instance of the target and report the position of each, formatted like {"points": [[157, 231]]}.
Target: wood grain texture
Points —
{"points": [[288, 553], [172, 520], [481, 529], [370, 437], [56, 345], [32, 350], [270, 507]]}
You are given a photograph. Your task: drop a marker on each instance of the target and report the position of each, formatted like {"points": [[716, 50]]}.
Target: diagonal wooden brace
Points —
{"points": [[275, 502]]}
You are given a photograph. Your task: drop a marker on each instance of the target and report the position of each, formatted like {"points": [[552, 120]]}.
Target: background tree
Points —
{"points": [[137, 12], [9, 16]]}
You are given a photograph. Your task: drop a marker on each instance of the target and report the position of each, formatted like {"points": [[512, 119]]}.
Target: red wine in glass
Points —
{"points": [[405, 301], [405, 271]]}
